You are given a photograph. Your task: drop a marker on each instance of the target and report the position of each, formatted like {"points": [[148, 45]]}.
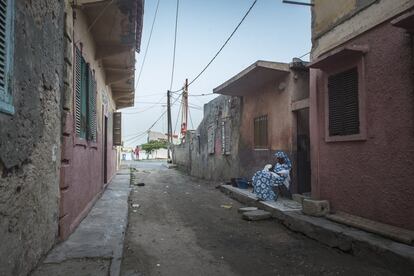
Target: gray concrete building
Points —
{"points": [[49, 49], [31, 56]]}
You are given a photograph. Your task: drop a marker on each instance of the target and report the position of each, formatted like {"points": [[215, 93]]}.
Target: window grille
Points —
{"points": [[260, 132]]}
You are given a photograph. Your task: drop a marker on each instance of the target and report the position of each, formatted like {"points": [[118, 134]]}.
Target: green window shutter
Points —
{"points": [[78, 80], [91, 107], [6, 29], [83, 98]]}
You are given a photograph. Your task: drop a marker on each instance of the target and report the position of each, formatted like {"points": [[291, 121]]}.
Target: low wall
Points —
{"points": [[211, 151]]}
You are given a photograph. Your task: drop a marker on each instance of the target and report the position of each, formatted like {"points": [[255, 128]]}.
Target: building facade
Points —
{"points": [[62, 76], [99, 80], [31, 54], [361, 108], [262, 109]]}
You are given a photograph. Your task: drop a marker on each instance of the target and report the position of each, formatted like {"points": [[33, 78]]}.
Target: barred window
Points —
{"points": [[260, 132]]}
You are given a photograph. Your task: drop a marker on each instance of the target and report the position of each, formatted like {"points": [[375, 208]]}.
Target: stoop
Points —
{"points": [[374, 248], [316, 208]]}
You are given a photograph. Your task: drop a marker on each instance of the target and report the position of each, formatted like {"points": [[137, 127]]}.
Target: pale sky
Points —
{"points": [[272, 31]]}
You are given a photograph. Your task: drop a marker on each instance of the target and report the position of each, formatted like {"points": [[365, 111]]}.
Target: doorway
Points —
{"points": [[105, 150], [303, 152]]}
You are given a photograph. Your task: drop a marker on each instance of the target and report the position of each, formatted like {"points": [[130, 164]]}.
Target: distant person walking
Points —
{"points": [[137, 153]]}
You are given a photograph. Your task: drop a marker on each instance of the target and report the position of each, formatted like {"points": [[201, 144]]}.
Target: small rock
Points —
{"points": [[158, 265], [135, 205]]}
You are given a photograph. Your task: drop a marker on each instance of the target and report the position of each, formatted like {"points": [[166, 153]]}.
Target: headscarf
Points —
{"points": [[281, 154]]}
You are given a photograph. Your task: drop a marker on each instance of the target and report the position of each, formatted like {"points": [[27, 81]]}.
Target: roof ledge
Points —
{"points": [[342, 53], [405, 21], [253, 78]]}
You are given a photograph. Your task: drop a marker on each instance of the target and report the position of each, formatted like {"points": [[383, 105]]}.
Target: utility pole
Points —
{"points": [[184, 114], [169, 125]]}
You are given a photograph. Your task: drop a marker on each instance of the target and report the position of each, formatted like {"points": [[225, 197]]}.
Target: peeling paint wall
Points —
{"points": [[30, 139], [199, 158]]}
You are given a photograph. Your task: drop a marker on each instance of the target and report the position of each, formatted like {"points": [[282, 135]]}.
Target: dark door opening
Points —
{"points": [[303, 151], [105, 150]]}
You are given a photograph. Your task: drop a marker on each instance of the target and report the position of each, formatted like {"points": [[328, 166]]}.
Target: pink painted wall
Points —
{"points": [[276, 105], [373, 178], [82, 176]]}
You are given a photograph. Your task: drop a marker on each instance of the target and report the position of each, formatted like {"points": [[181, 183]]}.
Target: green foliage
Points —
{"points": [[154, 145]]}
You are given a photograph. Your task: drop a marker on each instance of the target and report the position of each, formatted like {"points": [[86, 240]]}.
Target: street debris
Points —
{"points": [[247, 209], [135, 205], [226, 206]]}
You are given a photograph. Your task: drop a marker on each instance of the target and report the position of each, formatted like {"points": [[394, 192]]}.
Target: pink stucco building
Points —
{"points": [[362, 108], [99, 67]]}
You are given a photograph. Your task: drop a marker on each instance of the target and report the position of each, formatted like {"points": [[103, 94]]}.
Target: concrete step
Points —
{"points": [[385, 230], [257, 215], [373, 248]]}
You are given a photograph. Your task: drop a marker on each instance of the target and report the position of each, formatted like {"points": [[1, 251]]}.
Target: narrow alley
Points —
{"points": [[181, 228]]}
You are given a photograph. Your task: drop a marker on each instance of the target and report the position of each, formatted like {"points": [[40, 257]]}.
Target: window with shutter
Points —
{"points": [[260, 132], [85, 99], [6, 55], [91, 107], [117, 130], [343, 104]]}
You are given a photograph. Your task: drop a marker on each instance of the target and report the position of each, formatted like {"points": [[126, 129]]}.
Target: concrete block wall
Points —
{"points": [[30, 139], [193, 156]]}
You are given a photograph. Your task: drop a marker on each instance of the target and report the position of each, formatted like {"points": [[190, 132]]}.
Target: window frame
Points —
{"points": [[340, 67], [7, 105], [261, 147], [86, 135]]}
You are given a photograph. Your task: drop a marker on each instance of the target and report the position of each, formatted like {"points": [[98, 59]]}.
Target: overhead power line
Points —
{"points": [[222, 47], [156, 121], [148, 44], [175, 44]]}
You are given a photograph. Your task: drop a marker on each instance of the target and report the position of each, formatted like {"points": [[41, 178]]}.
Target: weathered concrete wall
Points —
{"points": [[194, 155], [372, 178], [276, 104], [335, 22], [30, 139], [82, 160]]}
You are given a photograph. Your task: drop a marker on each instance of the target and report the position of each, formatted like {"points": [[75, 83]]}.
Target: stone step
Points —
{"points": [[257, 215], [385, 230]]}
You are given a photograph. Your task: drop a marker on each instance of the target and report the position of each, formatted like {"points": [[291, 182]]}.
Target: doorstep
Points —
{"points": [[378, 250]]}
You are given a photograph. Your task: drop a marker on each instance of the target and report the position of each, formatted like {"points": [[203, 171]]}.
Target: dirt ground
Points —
{"points": [[180, 228]]}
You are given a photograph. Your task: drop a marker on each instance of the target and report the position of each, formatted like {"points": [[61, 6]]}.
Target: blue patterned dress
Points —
{"points": [[264, 181]]}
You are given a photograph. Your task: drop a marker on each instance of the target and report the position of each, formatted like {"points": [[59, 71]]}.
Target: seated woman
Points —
{"points": [[265, 181]]}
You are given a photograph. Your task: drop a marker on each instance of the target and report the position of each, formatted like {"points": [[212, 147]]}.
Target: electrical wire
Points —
{"points": [[222, 47], [191, 120], [200, 95], [156, 121], [175, 44], [178, 116], [148, 44]]}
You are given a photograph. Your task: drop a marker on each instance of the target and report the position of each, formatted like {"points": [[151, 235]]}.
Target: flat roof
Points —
{"points": [[253, 78]]}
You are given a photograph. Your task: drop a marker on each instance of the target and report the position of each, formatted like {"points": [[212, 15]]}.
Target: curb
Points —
{"points": [[376, 249]]}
